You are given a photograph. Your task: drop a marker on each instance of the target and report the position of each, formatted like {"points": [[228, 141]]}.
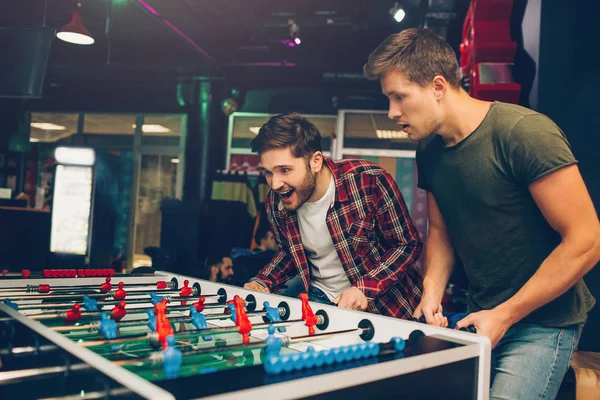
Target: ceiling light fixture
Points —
{"points": [[153, 128], [74, 32], [397, 12], [47, 126]]}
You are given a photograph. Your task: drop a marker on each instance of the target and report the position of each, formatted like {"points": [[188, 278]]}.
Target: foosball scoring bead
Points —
{"points": [[111, 272], [46, 273], [12, 305], [74, 314], [273, 365], [120, 293], [4, 271], [328, 356], [273, 343], [81, 273], [318, 358], [399, 343], [106, 286], [172, 359], [151, 319], [119, 311], [199, 304], [25, 273], [108, 327], [186, 290], [89, 304], [309, 359]]}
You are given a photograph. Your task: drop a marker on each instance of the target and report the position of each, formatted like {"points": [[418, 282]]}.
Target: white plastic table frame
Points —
{"points": [[385, 328]]}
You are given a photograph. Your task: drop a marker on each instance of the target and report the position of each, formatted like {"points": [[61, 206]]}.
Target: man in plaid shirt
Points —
{"points": [[343, 227]]}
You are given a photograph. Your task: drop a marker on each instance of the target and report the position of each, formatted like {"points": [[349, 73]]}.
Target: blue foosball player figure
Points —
{"points": [[172, 359], [273, 315], [108, 327], [199, 321]]}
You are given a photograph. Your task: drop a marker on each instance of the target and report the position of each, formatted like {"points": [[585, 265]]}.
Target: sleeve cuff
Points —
{"points": [[260, 281]]}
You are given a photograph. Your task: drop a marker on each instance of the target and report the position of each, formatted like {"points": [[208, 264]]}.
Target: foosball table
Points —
{"points": [[167, 336]]}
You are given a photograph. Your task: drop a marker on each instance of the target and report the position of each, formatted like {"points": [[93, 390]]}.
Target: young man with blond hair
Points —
{"points": [[504, 193]]}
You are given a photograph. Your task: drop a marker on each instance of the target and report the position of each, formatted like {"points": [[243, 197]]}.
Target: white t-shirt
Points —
{"points": [[327, 272]]}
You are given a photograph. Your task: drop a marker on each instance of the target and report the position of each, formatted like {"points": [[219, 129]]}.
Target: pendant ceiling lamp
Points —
{"points": [[75, 32]]}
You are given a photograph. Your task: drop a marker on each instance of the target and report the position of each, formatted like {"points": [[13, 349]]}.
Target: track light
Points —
{"points": [[74, 31], [294, 34], [397, 12]]}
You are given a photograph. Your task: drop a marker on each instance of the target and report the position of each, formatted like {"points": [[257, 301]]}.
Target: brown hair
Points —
{"points": [[419, 54], [288, 130]]}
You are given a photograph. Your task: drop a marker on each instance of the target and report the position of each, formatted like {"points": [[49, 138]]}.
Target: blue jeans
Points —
{"points": [[316, 294], [530, 361]]}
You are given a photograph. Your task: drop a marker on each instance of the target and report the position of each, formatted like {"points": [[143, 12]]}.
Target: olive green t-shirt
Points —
{"points": [[481, 188]]}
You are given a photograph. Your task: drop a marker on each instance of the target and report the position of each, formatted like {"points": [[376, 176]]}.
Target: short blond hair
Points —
{"points": [[419, 54]]}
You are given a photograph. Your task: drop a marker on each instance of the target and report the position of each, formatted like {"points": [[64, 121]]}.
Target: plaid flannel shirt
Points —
{"points": [[372, 233]]}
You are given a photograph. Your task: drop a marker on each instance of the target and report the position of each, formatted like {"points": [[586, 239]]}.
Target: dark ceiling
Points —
{"points": [[162, 40]]}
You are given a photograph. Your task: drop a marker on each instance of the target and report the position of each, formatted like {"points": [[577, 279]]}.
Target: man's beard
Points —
{"points": [[220, 277], [306, 188]]}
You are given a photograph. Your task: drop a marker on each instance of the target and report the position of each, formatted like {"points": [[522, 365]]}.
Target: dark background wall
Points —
{"points": [[567, 91]]}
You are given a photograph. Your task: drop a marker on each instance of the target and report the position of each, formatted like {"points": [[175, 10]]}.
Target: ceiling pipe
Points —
{"points": [[174, 30]]}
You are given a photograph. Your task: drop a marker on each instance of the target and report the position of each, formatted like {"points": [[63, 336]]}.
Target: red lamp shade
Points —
{"points": [[75, 32]]}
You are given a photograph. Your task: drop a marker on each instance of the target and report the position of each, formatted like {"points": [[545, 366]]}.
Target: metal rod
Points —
{"points": [[124, 339], [156, 357], [170, 285], [139, 310], [286, 341], [50, 296], [93, 395], [25, 350], [321, 336], [33, 373], [98, 303]]}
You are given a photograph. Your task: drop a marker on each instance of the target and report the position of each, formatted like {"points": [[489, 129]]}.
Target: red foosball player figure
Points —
{"points": [[241, 319], [186, 290], [106, 286], [73, 315], [120, 293], [308, 315], [200, 304], [163, 326], [119, 311]]}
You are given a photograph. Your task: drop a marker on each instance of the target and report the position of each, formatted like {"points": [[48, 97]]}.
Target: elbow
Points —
{"points": [[588, 248]]}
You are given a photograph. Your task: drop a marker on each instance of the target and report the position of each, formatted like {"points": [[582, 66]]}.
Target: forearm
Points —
{"points": [[439, 261], [566, 265]]}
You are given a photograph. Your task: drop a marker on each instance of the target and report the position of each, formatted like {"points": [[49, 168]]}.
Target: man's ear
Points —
{"points": [[316, 161], [440, 87]]}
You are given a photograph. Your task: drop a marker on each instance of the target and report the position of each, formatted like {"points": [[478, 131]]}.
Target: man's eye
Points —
{"points": [[285, 170]]}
